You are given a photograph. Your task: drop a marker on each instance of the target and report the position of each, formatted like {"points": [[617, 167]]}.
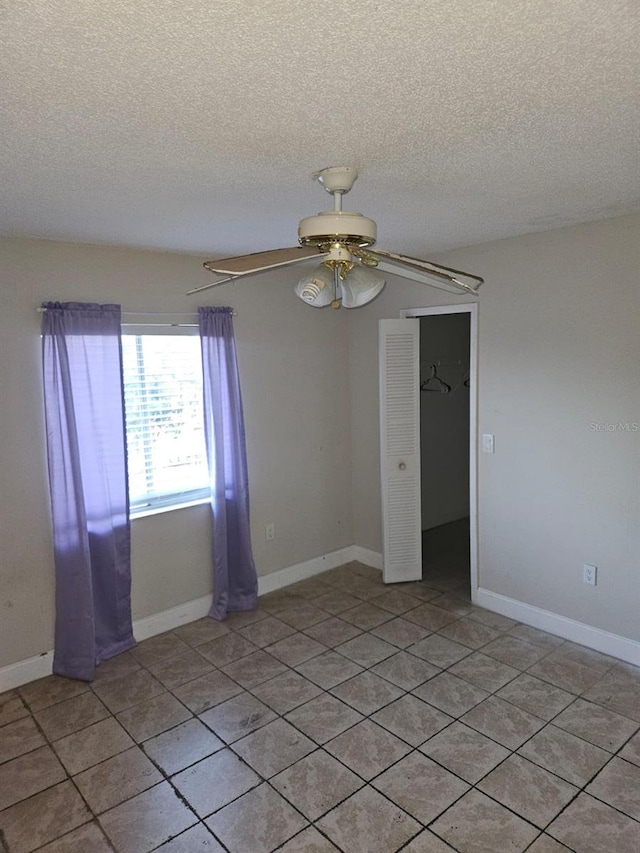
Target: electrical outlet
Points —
{"points": [[270, 532], [589, 574]]}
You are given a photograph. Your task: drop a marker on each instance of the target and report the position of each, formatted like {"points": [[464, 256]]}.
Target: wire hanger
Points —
{"points": [[438, 385]]}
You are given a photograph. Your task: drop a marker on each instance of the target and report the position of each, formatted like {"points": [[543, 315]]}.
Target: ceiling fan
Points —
{"points": [[349, 273]]}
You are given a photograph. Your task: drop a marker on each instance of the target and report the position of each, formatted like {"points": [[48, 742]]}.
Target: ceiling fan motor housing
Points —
{"points": [[337, 227]]}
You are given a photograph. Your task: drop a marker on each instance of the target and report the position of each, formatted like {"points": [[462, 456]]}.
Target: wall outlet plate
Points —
{"points": [[589, 574]]}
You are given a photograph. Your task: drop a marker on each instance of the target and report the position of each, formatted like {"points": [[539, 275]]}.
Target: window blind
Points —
{"points": [[166, 452]]}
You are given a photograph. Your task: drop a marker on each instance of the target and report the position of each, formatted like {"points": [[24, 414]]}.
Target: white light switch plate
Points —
{"points": [[488, 443]]}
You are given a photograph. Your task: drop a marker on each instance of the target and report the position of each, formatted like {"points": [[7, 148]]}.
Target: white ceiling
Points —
{"points": [[195, 126]]}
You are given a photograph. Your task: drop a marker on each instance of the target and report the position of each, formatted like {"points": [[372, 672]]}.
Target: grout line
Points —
{"points": [[327, 691]]}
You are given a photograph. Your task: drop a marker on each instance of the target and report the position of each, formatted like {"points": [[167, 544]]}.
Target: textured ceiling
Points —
{"points": [[195, 125]]}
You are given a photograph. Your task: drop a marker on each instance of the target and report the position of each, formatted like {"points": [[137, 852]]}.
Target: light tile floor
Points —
{"points": [[342, 715]]}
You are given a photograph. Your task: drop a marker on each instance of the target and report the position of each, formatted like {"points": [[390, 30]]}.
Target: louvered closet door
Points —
{"points": [[400, 449]]}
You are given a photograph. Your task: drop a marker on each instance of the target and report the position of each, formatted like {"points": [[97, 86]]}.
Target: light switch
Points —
{"points": [[487, 443]]}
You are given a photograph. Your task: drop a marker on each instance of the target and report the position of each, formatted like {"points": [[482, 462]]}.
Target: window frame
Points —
{"points": [[174, 500]]}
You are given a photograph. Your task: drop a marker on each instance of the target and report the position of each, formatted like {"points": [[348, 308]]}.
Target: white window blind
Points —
{"points": [[165, 430]]}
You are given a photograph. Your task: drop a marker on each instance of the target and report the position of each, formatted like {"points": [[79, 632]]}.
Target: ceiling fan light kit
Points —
{"points": [[346, 275]]}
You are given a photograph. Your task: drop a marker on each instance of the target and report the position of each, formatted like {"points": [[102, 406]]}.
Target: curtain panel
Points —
{"points": [[86, 446], [234, 574]]}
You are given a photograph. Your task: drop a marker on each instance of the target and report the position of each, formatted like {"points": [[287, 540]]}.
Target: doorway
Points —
{"points": [[448, 415]]}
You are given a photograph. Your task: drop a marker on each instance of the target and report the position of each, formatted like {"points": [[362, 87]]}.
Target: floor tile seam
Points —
{"points": [[540, 828], [57, 701], [610, 805], [322, 745], [114, 715], [93, 820], [530, 737], [551, 719], [183, 798], [393, 764], [26, 714], [405, 689], [67, 778], [568, 661], [370, 715], [546, 835], [42, 791], [411, 840], [553, 722], [221, 738], [576, 698], [453, 772], [98, 814], [282, 714], [623, 757], [282, 769], [99, 817], [184, 832], [472, 649], [304, 829], [492, 692], [51, 740], [518, 667], [33, 749], [90, 811], [611, 756], [323, 748], [633, 680], [572, 801], [133, 745], [171, 693], [168, 776], [469, 787], [204, 658], [139, 702], [388, 799], [546, 680], [336, 805]]}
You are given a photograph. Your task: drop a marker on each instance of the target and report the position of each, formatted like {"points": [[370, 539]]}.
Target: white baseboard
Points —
{"points": [[578, 632], [38, 667], [369, 558], [302, 571], [33, 668], [26, 670], [166, 620]]}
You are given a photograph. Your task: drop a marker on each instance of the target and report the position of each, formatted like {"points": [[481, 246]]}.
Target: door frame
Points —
{"points": [[470, 308]]}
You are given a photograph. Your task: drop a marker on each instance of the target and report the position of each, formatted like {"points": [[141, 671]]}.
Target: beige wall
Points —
{"points": [[559, 349], [293, 365]]}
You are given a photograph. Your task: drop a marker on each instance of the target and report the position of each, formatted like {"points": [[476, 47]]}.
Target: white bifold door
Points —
{"points": [[400, 449]]}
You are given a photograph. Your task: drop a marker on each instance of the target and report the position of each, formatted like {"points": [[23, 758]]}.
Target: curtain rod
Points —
{"points": [[41, 310]]}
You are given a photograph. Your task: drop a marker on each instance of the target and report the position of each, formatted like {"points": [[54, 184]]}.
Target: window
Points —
{"points": [[166, 451]]}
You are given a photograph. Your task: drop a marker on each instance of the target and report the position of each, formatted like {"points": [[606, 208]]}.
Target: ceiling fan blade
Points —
{"points": [[426, 272], [245, 265], [260, 261], [211, 284]]}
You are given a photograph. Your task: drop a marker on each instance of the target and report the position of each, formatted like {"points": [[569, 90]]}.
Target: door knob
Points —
{"points": [[402, 466]]}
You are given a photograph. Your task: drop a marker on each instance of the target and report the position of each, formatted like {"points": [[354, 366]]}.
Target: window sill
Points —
{"points": [[158, 510]]}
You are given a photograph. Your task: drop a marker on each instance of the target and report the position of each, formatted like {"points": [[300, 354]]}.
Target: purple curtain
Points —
{"points": [[234, 574], [86, 447]]}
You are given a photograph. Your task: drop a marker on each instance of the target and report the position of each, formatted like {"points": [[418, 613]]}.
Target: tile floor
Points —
{"points": [[343, 715]]}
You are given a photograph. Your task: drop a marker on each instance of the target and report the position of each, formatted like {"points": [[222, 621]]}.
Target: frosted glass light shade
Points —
{"points": [[316, 288], [360, 286]]}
